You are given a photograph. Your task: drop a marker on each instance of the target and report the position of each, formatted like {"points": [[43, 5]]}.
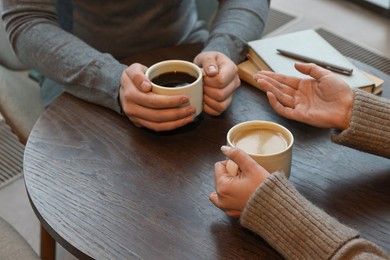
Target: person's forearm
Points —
{"points": [[369, 128], [236, 23], [296, 228], [42, 45]]}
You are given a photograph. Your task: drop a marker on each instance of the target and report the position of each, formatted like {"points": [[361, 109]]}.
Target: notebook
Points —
{"points": [[264, 56]]}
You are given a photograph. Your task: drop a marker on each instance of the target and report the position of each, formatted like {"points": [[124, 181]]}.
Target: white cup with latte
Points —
{"points": [[268, 143]]}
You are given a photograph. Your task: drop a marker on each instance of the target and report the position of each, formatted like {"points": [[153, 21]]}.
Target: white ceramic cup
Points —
{"points": [[277, 139], [193, 90]]}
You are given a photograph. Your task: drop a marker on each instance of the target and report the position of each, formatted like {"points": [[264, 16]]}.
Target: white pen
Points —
{"points": [[324, 64]]}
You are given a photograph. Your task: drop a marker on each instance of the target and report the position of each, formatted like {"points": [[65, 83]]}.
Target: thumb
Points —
{"points": [[136, 73], [241, 158], [210, 67], [312, 70], [145, 86]]}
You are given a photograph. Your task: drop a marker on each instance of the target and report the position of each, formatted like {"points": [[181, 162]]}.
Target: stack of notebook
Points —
{"points": [[264, 54]]}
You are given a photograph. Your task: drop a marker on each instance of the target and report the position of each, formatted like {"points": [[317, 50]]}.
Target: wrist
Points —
{"points": [[346, 116]]}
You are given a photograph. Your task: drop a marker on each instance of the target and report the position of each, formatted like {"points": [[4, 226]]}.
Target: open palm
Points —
{"points": [[324, 100]]}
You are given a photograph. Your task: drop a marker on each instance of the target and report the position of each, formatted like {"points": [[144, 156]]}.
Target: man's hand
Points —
{"points": [[150, 110], [220, 81]]}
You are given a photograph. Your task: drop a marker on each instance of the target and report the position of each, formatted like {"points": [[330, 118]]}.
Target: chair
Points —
{"points": [[12, 244], [20, 105]]}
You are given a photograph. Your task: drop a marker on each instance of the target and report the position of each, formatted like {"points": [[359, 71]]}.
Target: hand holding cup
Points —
{"points": [[268, 143]]}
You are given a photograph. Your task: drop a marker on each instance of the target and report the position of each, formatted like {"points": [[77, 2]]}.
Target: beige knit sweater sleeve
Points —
{"points": [[298, 229], [369, 129]]}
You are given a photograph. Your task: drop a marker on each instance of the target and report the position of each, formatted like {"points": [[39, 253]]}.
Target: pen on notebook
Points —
{"points": [[326, 65]]}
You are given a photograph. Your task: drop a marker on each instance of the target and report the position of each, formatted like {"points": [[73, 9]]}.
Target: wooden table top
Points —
{"points": [[106, 189]]}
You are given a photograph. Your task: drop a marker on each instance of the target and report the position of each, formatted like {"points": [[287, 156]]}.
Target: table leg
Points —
{"points": [[48, 245]]}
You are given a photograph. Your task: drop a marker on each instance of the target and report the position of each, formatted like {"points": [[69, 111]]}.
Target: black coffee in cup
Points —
{"points": [[178, 77], [173, 79]]}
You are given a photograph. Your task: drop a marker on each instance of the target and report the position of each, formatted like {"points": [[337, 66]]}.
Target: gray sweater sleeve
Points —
{"points": [[236, 23], [42, 45], [299, 230], [369, 129]]}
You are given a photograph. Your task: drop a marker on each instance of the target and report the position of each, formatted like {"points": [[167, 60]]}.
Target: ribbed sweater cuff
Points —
{"points": [[291, 224], [369, 129], [217, 42]]}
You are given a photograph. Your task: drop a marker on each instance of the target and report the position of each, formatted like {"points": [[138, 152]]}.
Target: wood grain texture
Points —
{"points": [[106, 189]]}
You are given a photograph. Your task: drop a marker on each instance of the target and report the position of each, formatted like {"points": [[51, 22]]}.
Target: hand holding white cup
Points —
{"points": [[268, 143], [176, 77]]}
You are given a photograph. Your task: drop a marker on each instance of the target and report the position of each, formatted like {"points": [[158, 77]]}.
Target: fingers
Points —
{"points": [[210, 66], [136, 73], [284, 94], [279, 108], [312, 70], [159, 113], [232, 168], [222, 197], [147, 109], [214, 198], [241, 158], [158, 101], [222, 182], [219, 91], [220, 173], [309, 69], [214, 107], [270, 81], [221, 86], [232, 192], [219, 82], [272, 77], [162, 126], [209, 62]]}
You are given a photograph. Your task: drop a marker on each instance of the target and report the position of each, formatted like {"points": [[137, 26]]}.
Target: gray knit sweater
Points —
{"points": [[77, 43], [300, 230]]}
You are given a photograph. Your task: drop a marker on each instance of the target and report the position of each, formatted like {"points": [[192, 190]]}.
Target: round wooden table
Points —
{"points": [[106, 189]]}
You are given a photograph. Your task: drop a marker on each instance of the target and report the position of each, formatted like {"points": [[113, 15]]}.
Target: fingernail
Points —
{"points": [[211, 69], [145, 85], [225, 148], [191, 111], [184, 100]]}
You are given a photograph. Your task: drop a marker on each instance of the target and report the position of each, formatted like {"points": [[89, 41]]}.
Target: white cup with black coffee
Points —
{"points": [[268, 143], [178, 77]]}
